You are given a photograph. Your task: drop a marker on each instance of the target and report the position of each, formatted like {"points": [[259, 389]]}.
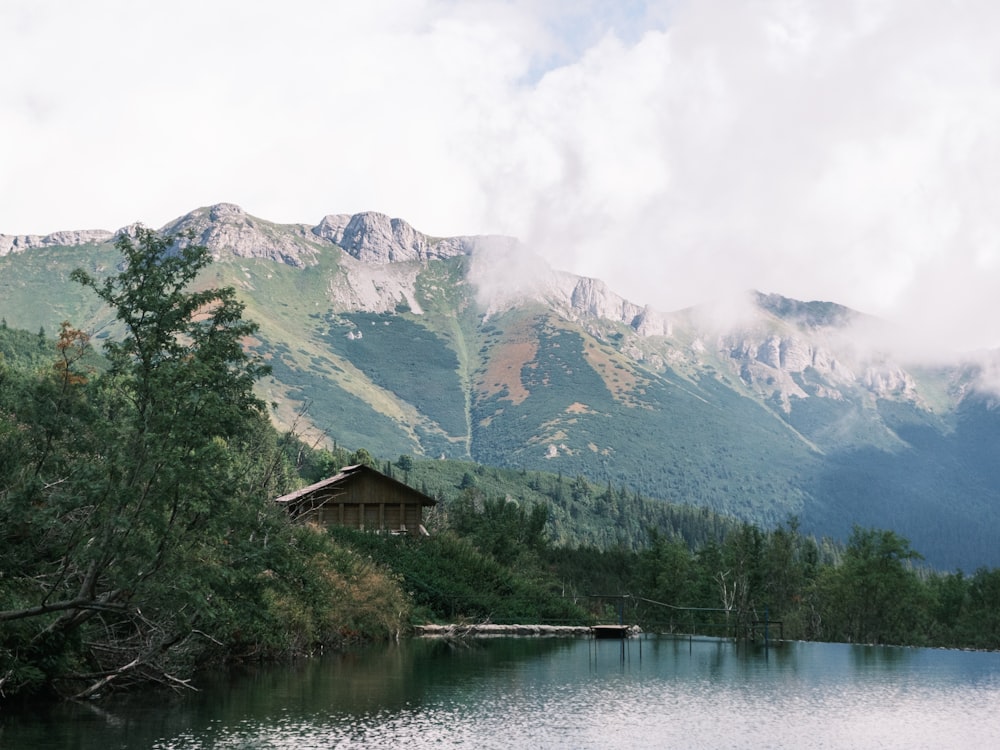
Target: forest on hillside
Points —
{"points": [[139, 541]]}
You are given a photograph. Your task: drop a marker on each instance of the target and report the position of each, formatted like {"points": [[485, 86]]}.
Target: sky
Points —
{"points": [[683, 151]]}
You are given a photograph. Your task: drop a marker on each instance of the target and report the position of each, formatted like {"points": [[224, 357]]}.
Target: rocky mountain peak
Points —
{"points": [[221, 211], [813, 314], [225, 227], [373, 237], [593, 298], [331, 228]]}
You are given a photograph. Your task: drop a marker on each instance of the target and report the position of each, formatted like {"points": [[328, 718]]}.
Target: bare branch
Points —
{"points": [[107, 679], [70, 604]]}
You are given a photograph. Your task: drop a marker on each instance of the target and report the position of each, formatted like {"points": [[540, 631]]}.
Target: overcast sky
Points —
{"points": [[680, 150]]}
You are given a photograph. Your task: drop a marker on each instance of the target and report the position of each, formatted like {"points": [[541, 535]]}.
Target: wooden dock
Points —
{"points": [[611, 631]]}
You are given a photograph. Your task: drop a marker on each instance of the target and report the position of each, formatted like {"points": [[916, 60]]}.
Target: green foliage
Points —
{"points": [[313, 464], [181, 358], [868, 592], [137, 533], [578, 512], [357, 421], [450, 579], [493, 559], [36, 290], [498, 527], [977, 622], [873, 596], [324, 594], [20, 350], [404, 357], [362, 457]]}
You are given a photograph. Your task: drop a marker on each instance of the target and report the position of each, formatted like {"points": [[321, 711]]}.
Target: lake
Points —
{"points": [[557, 693]]}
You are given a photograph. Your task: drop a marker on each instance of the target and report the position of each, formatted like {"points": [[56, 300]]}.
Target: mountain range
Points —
{"points": [[760, 407]]}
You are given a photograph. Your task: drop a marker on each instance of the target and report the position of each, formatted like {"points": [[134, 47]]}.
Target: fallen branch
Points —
{"points": [[203, 634], [83, 694]]}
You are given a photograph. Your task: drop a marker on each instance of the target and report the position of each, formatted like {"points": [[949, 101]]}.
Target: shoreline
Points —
{"points": [[493, 629], [489, 629]]}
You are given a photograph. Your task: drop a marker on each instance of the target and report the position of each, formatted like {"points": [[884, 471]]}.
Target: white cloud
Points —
{"points": [[678, 150]]}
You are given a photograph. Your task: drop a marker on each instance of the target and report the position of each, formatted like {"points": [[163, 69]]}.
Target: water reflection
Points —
{"points": [[554, 693], [879, 657]]}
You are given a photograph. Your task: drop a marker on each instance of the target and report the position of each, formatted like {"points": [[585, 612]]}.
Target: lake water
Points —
{"points": [[558, 693]]}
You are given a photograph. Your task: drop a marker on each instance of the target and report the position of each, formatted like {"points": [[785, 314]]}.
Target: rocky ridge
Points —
{"points": [[10, 243], [784, 353], [369, 237], [788, 351], [376, 238], [225, 227]]}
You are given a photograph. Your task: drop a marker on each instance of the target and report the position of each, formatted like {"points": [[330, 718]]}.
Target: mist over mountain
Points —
{"points": [[472, 347]]}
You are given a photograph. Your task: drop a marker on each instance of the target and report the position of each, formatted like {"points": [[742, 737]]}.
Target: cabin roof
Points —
{"points": [[349, 474]]}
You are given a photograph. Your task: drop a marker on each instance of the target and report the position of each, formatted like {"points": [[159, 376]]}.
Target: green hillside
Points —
{"points": [[402, 358], [35, 289]]}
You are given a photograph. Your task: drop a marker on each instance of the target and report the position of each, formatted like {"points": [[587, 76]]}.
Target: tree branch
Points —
{"points": [[69, 604], [106, 679]]}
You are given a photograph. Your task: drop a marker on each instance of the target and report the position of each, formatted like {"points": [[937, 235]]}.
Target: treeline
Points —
{"points": [[138, 537], [872, 589], [495, 557], [580, 513]]}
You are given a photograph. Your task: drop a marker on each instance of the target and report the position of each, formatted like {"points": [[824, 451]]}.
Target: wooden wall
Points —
{"points": [[368, 504]]}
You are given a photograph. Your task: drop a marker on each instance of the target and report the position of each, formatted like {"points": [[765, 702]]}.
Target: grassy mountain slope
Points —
{"points": [[759, 420], [581, 407], [35, 289]]}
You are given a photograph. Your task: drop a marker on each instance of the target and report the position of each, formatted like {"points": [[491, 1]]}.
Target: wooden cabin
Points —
{"points": [[361, 498]]}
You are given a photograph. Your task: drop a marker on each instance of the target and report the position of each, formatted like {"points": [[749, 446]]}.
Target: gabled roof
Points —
{"points": [[346, 475]]}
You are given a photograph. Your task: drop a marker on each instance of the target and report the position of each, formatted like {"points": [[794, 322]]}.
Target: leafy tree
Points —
{"points": [[741, 582], [664, 572], [311, 463], [950, 595], [128, 483], [500, 527], [405, 463], [874, 596], [363, 458], [978, 623]]}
